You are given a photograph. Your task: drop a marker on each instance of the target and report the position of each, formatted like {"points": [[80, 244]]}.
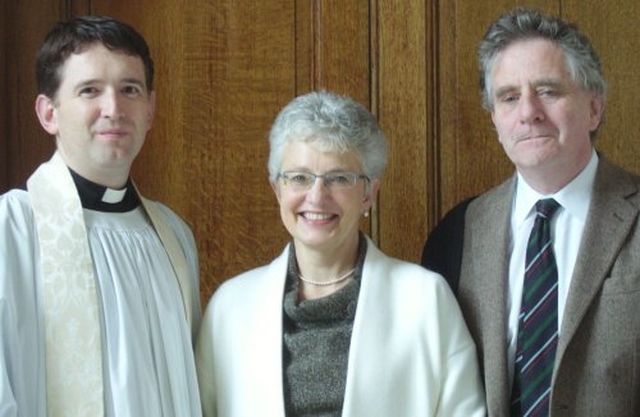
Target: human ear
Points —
{"points": [[46, 112], [597, 110], [371, 195]]}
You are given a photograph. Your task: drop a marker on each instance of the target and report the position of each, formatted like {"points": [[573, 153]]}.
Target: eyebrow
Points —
{"points": [[135, 81], [550, 82], [544, 82]]}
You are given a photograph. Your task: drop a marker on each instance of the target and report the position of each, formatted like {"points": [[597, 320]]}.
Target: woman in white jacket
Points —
{"points": [[333, 327]]}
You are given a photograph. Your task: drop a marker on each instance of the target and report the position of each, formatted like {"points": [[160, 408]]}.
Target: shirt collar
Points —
{"points": [[100, 198], [575, 197]]}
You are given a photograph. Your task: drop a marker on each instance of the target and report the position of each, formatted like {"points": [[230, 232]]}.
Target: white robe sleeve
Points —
{"points": [[22, 391]]}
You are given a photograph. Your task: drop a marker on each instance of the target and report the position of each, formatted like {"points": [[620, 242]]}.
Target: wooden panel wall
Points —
{"points": [[4, 168], [405, 63], [24, 143], [226, 67], [615, 32]]}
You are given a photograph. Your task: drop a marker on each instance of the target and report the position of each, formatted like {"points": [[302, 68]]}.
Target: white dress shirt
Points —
{"points": [[566, 233]]}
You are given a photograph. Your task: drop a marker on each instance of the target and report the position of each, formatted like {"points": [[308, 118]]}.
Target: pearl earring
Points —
{"points": [[365, 213]]}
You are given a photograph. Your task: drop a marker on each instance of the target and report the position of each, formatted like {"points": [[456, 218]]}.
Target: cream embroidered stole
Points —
{"points": [[73, 343]]}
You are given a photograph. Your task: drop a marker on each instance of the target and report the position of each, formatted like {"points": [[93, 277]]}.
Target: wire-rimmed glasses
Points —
{"points": [[301, 180]]}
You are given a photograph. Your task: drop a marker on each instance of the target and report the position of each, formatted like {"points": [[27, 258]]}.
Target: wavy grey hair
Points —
{"points": [[329, 122], [524, 24]]}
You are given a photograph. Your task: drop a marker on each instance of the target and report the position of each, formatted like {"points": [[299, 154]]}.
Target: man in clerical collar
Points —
{"points": [[99, 289]]}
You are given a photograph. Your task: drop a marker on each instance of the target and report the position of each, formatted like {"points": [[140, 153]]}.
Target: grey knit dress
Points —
{"points": [[316, 341]]}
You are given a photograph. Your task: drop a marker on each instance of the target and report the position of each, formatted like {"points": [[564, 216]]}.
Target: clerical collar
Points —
{"points": [[100, 198]]}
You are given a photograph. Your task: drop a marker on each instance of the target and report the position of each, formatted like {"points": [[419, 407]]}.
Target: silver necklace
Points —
{"points": [[325, 283]]}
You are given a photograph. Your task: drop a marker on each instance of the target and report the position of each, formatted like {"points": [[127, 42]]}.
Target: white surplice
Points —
{"points": [[147, 353]]}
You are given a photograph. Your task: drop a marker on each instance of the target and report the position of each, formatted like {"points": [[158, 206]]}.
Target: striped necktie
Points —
{"points": [[538, 320]]}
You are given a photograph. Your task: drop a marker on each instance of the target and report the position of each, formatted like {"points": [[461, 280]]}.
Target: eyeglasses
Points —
{"points": [[334, 180]]}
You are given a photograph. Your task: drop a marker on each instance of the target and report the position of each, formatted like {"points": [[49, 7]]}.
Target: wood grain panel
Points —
{"points": [[27, 144], [341, 48], [404, 60], [6, 10], [615, 33], [241, 69]]}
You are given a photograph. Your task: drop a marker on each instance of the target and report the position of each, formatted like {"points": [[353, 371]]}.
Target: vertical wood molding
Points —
{"points": [[339, 42], [304, 46], [6, 11], [432, 140], [403, 113], [373, 223]]}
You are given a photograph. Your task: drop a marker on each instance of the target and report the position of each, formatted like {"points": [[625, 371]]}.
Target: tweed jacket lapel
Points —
{"points": [[483, 285], [611, 218]]}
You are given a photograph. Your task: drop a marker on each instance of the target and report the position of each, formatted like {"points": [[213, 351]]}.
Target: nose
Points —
{"points": [[112, 105], [530, 109], [318, 190]]}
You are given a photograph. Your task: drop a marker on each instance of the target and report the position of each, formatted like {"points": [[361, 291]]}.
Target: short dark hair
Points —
{"points": [[74, 35]]}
